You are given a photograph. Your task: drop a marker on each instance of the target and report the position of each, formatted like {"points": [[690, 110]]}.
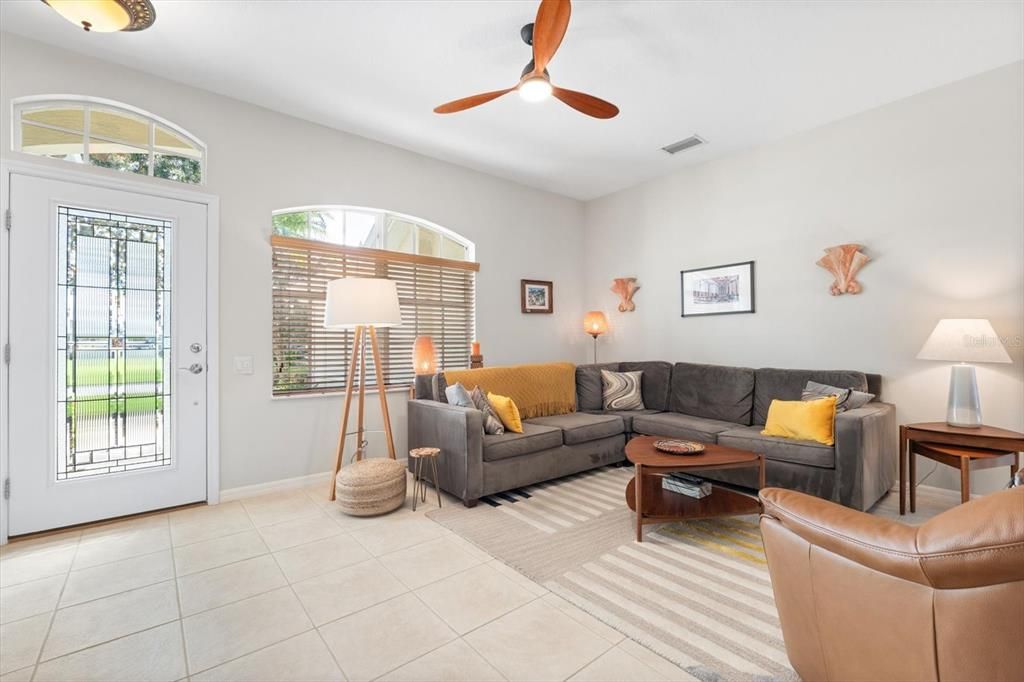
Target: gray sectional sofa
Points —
{"points": [[708, 403]]}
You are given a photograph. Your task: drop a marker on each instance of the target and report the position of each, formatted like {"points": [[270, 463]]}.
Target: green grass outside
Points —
{"points": [[100, 372], [101, 407], [103, 372]]}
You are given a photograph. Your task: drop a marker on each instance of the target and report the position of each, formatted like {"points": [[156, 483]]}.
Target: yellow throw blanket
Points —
{"points": [[538, 390]]}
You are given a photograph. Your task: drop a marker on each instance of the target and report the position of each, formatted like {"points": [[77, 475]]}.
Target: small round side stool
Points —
{"points": [[419, 486]]}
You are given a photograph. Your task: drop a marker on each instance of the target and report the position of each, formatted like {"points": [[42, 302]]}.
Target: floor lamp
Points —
{"points": [[361, 304], [595, 324]]}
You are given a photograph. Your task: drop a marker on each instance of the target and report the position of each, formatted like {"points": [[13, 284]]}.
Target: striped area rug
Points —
{"points": [[698, 593]]}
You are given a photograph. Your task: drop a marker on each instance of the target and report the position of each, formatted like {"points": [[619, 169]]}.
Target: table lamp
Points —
{"points": [[595, 324], [963, 342], [361, 304], [424, 357]]}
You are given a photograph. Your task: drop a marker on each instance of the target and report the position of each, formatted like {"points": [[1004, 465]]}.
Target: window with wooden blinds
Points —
{"points": [[437, 296]]}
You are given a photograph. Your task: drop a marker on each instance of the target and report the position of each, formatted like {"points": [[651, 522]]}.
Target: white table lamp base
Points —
{"points": [[964, 408]]}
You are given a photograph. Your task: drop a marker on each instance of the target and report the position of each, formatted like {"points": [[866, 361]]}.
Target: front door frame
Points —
{"points": [[156, 188]]}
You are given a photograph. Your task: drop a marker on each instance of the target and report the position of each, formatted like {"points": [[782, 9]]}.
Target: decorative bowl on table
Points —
{"points": [[679, 447]]}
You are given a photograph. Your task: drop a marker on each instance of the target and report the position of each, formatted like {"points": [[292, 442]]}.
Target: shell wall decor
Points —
{"points": [[844, 262], [625, 287]]}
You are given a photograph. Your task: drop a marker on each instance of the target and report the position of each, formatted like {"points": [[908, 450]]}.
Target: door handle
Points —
{"points": [[195, 368]]}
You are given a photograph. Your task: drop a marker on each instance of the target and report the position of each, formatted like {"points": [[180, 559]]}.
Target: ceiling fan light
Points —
{"points": [[106, 16], [535, 89]]}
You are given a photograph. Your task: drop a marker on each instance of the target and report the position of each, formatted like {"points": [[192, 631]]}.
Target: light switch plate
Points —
{"points": [[243, 364]]}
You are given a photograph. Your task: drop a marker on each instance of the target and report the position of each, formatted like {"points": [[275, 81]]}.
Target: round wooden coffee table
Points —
{"points": [[654, 504]]}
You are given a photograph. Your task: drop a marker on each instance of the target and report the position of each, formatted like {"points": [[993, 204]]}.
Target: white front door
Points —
{"points": [[108, 353]]}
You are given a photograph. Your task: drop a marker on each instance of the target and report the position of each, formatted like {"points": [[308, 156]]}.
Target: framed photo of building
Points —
{"points": [[719, 290], [537, 296]]}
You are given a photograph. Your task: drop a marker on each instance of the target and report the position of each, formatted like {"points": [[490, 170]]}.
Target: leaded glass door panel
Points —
{"points": [[108, 353]]}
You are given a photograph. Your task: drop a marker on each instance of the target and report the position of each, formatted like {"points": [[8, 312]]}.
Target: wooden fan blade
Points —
{"points": [[548, 31], [587, 104], [470, 102]]}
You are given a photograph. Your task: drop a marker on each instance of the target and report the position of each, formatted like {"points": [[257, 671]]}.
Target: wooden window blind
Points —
{"points": [[437, 297]]}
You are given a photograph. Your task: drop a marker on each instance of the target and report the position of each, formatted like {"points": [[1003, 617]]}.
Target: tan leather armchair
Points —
{"points": [[865, 598]]}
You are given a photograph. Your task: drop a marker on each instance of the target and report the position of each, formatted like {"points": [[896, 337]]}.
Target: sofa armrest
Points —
{"points": [[867, 450], [458, 432]]}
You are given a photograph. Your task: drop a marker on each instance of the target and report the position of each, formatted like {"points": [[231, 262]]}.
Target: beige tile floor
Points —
{"points": [[285, 587]]}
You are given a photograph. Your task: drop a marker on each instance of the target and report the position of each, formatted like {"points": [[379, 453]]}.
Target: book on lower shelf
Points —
{"points": [[686, 484]]}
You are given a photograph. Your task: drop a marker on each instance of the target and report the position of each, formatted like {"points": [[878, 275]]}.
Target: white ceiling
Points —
{"points": [[737, 73]]}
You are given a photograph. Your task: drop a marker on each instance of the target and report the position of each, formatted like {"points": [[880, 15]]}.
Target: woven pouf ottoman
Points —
{"points": [[370, 487]]}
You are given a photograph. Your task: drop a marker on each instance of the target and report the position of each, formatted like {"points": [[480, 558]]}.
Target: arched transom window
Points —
{"points": [[432, 267], [110, 135]]}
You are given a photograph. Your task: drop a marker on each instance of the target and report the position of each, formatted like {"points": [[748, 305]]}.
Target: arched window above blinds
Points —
{"points": [[432, 267], [107, 134]]}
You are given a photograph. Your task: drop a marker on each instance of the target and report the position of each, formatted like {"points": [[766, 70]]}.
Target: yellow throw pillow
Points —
{"points": [[507, 411], [802, 419]]}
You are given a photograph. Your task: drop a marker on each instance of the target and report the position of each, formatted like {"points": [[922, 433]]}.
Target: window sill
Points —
{"points": [[370, 390]]}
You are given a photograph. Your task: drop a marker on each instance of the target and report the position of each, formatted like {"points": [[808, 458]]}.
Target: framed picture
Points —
{"points": [[537, 296], [721, 290]]}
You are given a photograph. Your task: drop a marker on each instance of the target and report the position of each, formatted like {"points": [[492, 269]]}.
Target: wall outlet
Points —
{"points": [[243, 364]]}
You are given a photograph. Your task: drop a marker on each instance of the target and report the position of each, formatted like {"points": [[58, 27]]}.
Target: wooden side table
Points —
{"points": [[419, 486], [964, 449]]}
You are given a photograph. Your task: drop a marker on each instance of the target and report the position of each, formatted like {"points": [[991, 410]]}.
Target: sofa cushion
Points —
{"points": [[806, 452], [589, 389], [714, 392], [788, 384], [803, 420], [846, 398], [431, 387], [507, 412], [626, 416], [458, 396], [582, 427], [492, 423], [675, 425], [533, 438], [622, 390], [874, 385], [655, 383]]}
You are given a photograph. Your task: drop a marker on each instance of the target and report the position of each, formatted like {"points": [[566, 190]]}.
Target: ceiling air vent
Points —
{"points": [[682, 145]]}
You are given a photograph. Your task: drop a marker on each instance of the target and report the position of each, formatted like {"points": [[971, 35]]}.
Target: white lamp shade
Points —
{"points": [[970, 341], [355, 301]]}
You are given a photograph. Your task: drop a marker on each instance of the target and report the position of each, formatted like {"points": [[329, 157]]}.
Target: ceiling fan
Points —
{"points": [[545, 35]]}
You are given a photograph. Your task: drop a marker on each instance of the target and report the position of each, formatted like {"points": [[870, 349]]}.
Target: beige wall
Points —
{"points": [[260, 161], [932, 185]]}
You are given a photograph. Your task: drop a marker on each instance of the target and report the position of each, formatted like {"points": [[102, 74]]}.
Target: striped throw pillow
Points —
{"points": [[846, 398], [621, 390], [492, 424]]}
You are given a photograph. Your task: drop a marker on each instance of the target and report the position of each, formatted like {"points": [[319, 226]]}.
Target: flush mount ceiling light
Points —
{"points": [[106, 16]]}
